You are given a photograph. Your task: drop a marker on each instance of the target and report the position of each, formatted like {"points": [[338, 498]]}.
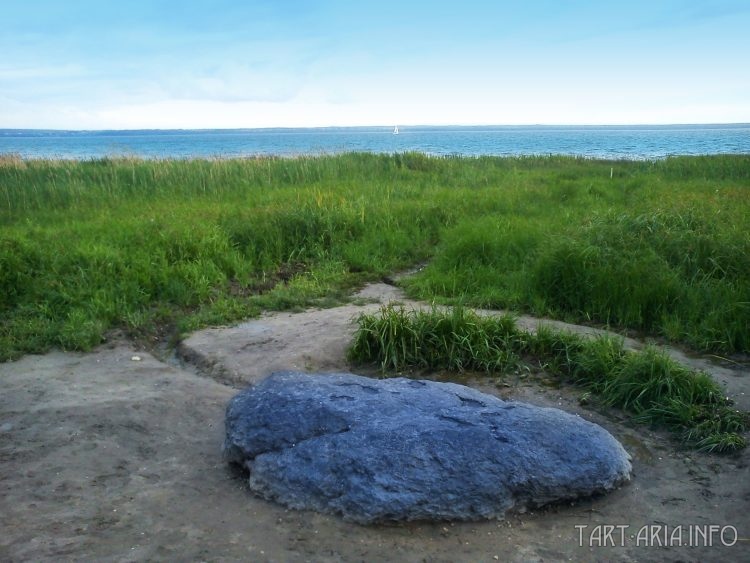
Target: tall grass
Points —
{"points": [[170, 245], [648, 384], [680, 274], [461, 340]]}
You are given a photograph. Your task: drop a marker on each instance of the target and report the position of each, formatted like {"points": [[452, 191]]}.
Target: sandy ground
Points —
{"points": [[110, 458]]}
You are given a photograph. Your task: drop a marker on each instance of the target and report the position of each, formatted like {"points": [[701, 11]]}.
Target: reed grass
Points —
{"points": [[647, 384], [164, 246]]}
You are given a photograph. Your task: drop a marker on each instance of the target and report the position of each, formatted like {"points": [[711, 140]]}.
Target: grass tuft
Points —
{"points": [[457, 341], [648, 384]]}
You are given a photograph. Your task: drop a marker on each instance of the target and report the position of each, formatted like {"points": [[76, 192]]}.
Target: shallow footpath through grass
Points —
{"points": [[648, 384], [161, 247]]}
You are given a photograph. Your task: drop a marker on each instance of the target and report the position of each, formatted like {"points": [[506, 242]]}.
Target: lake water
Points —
{"points": [[630, 142]]}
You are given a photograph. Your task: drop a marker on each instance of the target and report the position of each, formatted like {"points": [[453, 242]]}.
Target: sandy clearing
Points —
{"points": [[104, 457]]}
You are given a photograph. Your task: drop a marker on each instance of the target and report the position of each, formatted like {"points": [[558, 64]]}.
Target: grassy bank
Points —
{"points": [[648, 384], [155, 247]]}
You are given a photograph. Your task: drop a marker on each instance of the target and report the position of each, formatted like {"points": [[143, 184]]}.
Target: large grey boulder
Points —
{"points": [[400, 449]]}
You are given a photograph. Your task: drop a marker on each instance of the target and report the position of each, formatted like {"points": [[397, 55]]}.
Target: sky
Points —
{"points": [[112, 64]]}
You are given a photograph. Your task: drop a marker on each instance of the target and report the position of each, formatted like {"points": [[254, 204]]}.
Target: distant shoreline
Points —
{"points": [[611, 142], [388, 127]]}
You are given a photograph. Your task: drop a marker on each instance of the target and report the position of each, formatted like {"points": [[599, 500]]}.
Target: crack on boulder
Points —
{"points": [[366, 388], [458, 420], [472, 402], [234, 453]]}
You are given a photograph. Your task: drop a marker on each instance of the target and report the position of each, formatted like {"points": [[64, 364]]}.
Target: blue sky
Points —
{"points": [[256, 63]]}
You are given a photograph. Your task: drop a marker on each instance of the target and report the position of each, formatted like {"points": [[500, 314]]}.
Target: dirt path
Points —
{"points": [[107, 457]]}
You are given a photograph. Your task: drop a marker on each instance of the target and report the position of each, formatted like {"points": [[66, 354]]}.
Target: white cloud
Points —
{"points": [[40, 72], [233, 82]]}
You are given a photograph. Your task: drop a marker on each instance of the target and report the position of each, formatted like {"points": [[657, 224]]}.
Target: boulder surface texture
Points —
{"points": [[402, 449]]}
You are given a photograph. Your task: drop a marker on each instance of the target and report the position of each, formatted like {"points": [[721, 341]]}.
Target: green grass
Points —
{"points": [[648, 384], [165, 246], [399, 339]]}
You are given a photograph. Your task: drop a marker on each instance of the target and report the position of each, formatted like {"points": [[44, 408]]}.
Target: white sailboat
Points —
{"points": [[395, 130]]}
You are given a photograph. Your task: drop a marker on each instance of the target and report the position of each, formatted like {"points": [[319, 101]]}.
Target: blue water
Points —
{"points": [[620, 142]]}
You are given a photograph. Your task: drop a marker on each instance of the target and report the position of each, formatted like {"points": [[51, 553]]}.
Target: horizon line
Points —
{"points": [[422, 125]]}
